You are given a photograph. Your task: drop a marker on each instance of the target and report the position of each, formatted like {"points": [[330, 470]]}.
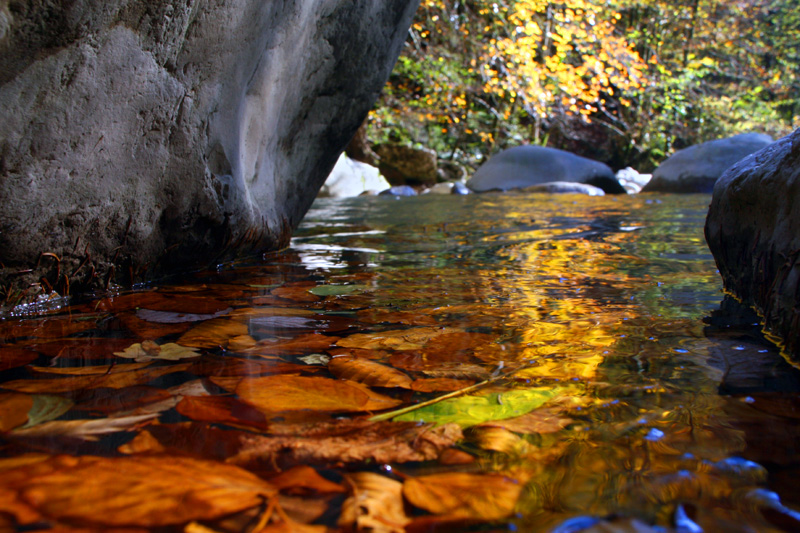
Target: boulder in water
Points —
{"points": [[524, 166], [697, 168], [352, 178], [753, 230]]}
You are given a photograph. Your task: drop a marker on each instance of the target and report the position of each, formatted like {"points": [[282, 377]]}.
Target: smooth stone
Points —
{"points": [[523, 166], [695, 169], [352, 178], [566, 187], [399, 190]]}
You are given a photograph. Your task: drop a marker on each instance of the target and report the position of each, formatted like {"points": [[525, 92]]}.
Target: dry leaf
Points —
{"points": [[149, 350], [87, 430], [83, 349], [162, 301], [376, 504], [236, 367], [116, 377], [213, 333], [45, 328], [347, 441], [303, 479], [302, 344], [272, 394], [368, 372], [375, 315], [440, 384], [146, 491], [14, 409], [497, 439], [463, 495], [297, 292], [542, 420], [398, 339], [221, 409]]}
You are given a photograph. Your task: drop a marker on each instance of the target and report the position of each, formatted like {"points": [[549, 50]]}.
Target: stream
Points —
{"points": [[618, 388]]}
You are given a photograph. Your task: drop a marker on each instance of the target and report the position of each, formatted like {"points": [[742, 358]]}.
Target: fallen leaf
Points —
{"points": [[170, 302], [192, 438], [150, 330], [242, 342], [89, 370], [178, 317], [542, 420], [223, 410], [272, 394], [149, 350], [346, 441], [498, 440], [14, 409], [398, 339], [213, 333], [336, 290], [108, 401], [87, 430], [375, 504], [440, 384], [46, 328], [254, 312], [238, 367], [302, 344], [450, 370], [296, 292], [83, 349], [116, 377], [47, 407], [303, 479], [376, 315], [368, 372], [12, 357], [146, 491], [459, 494], [470, 410]]}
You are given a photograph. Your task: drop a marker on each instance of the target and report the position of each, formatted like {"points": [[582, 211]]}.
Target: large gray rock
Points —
{"points": [[152, 136], [523, 166], [697, 168], [753, 230]]}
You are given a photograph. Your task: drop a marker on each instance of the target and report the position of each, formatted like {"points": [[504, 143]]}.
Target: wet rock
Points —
{"points": [[632, 180], [440, 188], [157, 136], [753, 230], [566, 187], [460, 188], [352, 178], [697, 168], [399, 190], [404, 165], [524, 166]]}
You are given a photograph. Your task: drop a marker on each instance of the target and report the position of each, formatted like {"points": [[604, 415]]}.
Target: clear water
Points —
{"points": [[668, 401]]}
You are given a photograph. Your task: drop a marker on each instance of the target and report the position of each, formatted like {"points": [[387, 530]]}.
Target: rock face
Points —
{"points": [[154, 136], [753, 230], [697, 168], [523, 166]]}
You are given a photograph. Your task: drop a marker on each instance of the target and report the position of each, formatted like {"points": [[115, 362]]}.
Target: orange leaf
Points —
{"points": [[14, 409], [117, 377], [83, 349], [147, 491], [221, 409], [45, 328], [368, 372], [212, 333], [305, 478], [303, 344], [376, 504], [398, 339], [459, 494], [272, 394], [440, 384]]}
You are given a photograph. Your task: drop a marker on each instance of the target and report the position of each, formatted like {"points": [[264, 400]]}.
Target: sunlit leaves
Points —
{"points": [[368, 372], [486, 496], [375, 504]]}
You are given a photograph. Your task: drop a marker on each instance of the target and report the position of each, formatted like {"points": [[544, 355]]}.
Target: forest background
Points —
{"points": [[626, 82]]}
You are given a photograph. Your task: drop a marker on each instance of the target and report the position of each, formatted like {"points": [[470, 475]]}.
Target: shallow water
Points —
{"points": [[623, 387]]}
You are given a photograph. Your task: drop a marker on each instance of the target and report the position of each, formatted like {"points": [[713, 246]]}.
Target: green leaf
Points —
{"points": [[336, 290], [46, 407], [472, 410]]}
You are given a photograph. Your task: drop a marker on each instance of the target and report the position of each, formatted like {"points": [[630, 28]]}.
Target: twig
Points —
{"points": [[397, 412]]}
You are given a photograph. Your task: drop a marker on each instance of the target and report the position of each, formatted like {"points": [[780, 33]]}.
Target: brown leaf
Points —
{"points": [[440, 384], [191, 438], [273, 394], [347, 441], [376, 504], [213, 333], [375, 315], [459, 494], [302, 479], [246, 313], [398, 339], [45, 328], [368, 372], [149, 351], [12, 357], [87, 430], [498, 439], [221, 409], [83, 349], [162, 301], [116, 377], [147, 491], [109, 401], [456, 371], [150, 330], [237, 367], [89, 370], [542, 420], [302, 344], [14, 409], [296, 292]]}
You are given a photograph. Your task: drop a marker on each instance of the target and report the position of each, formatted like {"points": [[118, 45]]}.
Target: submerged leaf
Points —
{"points": [[368, 372], [146, 491], [87, 430], [177, 317], [221, 409], [149, 350], [398, 339], [12, 357], [471, 410], [213, 333], [46, 407], [376, 504], [304, 478], [459, 494], [14, 407]]}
